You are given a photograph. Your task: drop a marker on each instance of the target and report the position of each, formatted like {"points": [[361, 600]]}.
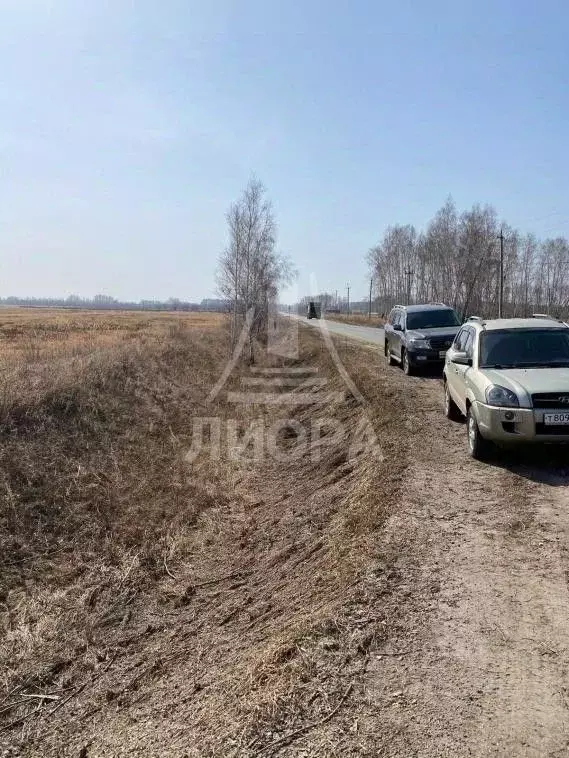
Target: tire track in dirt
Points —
{"points": [[488, 674]]}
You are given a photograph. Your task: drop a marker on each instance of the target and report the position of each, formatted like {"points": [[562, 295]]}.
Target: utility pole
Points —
{"points": [[501, 292], [370, 286], [348, 287], [409, 275]]}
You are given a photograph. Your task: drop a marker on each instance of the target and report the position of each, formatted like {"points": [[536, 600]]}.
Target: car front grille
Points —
{"points": [[551, 400], [440, 343]]}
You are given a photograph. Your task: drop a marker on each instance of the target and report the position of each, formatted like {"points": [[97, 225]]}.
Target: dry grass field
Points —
{"points": [[134, 583], [44, 350], [27, 334], [88, 470]]}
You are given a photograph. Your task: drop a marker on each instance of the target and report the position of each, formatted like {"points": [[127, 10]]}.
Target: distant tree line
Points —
{"points": [[106, 302], [456, 260], [331, 302]]}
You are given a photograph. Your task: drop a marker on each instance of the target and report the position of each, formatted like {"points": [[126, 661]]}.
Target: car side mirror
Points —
{"points": [[461, 358], [397, 328]]}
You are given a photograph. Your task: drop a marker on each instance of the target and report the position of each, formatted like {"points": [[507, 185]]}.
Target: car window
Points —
{"points": [[390, 317], [469, 343], [396, 318], [432, 319], [460, 340], [524, 348]]}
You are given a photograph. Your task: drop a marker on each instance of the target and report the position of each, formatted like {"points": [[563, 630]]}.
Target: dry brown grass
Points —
{"points": [[233, 597], [360, 319], [28, 334], [88, 465]]}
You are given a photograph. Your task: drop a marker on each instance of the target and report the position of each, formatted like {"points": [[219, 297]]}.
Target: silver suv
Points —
{"points": [[510, 379]]}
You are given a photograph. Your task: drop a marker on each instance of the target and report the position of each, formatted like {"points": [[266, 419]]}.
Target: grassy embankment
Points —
{"points": [[360, 319], [138, 591]]}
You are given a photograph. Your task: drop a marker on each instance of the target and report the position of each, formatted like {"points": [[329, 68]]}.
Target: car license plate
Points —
{"points": [[442, 353], [556, 418]]}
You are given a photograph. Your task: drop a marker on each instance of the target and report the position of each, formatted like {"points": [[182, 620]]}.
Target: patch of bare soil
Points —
{"points": [[483, 549]]}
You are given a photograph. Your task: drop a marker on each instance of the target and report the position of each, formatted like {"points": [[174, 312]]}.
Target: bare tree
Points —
{"points": [[393, 263], [456, 261], [250, 269]]}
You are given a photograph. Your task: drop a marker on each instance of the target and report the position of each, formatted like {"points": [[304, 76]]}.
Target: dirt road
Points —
{"points": [[487, 545], [484, 555], [370, 334]]}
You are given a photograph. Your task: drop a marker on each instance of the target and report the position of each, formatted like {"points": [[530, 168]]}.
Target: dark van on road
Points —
{"points": [[314, 310], [420, 335]]}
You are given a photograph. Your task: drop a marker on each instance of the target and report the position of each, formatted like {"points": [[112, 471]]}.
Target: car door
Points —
{"points": [[456, 374], [461, 370], [388, 330], [391, 335], [452, 375], [398, 328]]}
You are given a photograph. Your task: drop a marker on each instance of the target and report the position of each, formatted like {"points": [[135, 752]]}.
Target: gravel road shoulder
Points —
{"points": [[484, 549]]}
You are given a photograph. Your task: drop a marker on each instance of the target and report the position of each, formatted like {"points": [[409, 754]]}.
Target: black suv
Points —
{"points": [[420, 335]]}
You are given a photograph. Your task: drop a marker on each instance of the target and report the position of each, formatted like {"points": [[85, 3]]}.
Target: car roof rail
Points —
{"points": [[475, 318], [546, 316]]}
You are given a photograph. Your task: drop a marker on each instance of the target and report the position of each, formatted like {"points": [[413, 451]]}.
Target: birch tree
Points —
{"points": [[456, 261], [250, 269]]}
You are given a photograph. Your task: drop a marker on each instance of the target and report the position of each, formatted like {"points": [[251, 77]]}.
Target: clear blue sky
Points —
{"points": [[127, 128]]}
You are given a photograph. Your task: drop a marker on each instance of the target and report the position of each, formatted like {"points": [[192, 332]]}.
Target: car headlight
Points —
{"points": [[496, 395], [419, 343]]}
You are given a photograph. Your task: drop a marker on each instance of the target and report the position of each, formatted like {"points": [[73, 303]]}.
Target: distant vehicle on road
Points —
{"points": [[419, 335], [314, 310], [510, 379]]}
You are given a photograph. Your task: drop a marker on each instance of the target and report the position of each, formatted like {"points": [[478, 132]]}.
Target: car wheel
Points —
{"points": [[407, 367], [451, 408], [478, 447]]}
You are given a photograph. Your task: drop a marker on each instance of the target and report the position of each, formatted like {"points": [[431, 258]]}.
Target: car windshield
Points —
{"points": [[524, 348], [432, 319]]}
